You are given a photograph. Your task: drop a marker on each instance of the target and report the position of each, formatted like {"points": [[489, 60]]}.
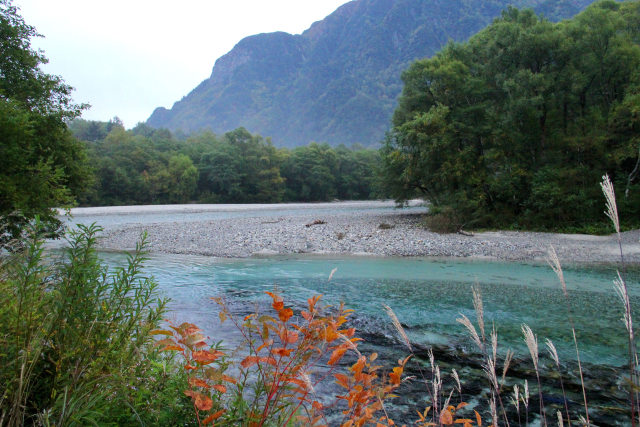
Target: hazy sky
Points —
{"points": [[127, 57]]}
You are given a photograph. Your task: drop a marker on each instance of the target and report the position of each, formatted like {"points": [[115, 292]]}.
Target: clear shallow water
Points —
{"points": [[427, 295]]}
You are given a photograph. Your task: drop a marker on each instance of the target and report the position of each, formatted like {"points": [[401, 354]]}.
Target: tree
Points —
{"points": [[516, 126], [43, 164]]}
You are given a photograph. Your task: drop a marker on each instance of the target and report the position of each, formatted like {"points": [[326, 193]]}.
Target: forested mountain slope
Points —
{"points": [[339, 80]]}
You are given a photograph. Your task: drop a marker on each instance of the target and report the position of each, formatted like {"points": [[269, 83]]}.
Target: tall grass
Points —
{"points": [[73, 336]]}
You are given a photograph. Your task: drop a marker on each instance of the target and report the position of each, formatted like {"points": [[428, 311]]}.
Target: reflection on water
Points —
{"points": [[426, 294]]}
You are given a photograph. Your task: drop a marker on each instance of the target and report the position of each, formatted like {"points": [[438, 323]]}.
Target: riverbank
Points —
{"points": [[341, 228]]}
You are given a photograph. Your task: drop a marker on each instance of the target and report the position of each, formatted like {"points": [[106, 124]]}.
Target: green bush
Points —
{"points": [[75, 338]]}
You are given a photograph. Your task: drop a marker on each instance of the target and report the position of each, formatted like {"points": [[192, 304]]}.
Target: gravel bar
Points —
{"points": [[360, 233]]}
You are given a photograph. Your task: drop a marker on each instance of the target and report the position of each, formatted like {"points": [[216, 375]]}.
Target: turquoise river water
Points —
{"points": [[427, 296]]}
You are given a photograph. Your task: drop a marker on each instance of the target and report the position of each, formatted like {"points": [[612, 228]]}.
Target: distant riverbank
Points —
{"points": [[371, 228]]}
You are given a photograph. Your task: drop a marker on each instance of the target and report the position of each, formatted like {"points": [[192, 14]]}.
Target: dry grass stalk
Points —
{"points": [[446, 402], [612, 207], [532, 343], [494, 412], [490, 369], [494, 343], [525, 401], [554, 262], [455, 376], [515, 400], [464, 320], [621, 290], [437, 388], [554, 355], [477, 304], [307, 381], [612, 213], [553, 352], [507, 363], [431, 360], [349, 343], [398, 326]]}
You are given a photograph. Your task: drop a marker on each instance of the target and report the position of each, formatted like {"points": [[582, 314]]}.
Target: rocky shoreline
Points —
{"points": [[360, 233]]}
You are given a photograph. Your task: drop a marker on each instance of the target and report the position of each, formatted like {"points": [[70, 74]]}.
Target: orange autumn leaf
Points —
{"points": [[277, 301], [267, 343], [445, 417], [285, 314], [269, 360], [464, 421], [229, 379], [330, 334], [342, 380], [249, 361], [192, 394], [478, 418], [312, 302], [201, 401], [190, 367], [165, 341], [461, 405], [221, 388], [213, 417], [194, 339], [396, 375], [206, 356], [359, 365], [337, 355], [197, 382], [172, 348], [282, 352], [290, 337]]}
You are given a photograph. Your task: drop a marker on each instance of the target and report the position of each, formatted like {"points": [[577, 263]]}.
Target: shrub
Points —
{"points": [[443, 220], [276, 379], [73, 335]]}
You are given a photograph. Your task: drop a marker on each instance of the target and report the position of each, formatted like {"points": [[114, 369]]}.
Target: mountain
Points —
{"points": [[338, 81]]}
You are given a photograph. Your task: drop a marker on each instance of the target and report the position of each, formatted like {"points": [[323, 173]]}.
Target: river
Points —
{"points": [[427, 294]]}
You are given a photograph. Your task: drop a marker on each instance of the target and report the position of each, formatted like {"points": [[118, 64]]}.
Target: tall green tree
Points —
{"points": [[516, 126], [43, 165]]}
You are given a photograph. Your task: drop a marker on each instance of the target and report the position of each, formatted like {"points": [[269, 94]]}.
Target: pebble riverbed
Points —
{"points": [[361, 233]]}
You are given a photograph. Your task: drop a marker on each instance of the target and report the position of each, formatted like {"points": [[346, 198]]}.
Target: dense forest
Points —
{"points": [[516, 127], [149, 166]]}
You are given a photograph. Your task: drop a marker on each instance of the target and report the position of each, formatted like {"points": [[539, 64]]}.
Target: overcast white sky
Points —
{"points": [[127, 57]]}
